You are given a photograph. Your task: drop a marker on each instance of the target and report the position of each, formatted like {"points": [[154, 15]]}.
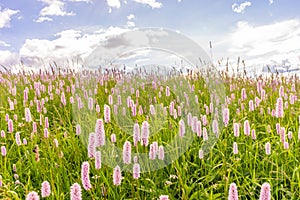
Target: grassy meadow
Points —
{"points": [[68, 132]]}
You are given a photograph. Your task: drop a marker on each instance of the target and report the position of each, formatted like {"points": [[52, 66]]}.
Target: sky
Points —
{"points": [[261, 32]]}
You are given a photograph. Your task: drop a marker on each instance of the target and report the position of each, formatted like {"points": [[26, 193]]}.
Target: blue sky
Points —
{"points": [[259, 31]]}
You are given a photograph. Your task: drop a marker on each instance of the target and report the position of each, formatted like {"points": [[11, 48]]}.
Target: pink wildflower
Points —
{"points": [[46, 189], [268, 148], [85, 177], [98, 160], [233, 192], [75, 192], [136, 171], [127, 152], [235, 148], [117, 176], [32, 196], [265, 192]]}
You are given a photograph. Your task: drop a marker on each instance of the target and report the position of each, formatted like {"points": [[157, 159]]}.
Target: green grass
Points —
{"points": [[188, 177]]}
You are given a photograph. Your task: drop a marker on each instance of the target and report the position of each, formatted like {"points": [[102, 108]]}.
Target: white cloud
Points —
{"points": [[113, 4], [130, 24], [5, 16], [266, 44], [85, 1], [130, 17], [281, 36], [240, 8], [42, 19], [53, 8], [69, 44], [271, 1], [8, 58], [152, 3], [4, 44]]}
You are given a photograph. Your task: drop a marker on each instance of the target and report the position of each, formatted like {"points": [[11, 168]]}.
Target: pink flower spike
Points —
{"points": [[243, 94], [265, 192], [236, 129], [11, 105], [215, 127], [163, 197], [32, 196], [27, 115], [233, 192], [145, 133], [18, 139], [75, 192], [205, 135], [97, 108], [251, 106], [201, 154], [46, 122], [24, 141], [117, 176], [199, 128], [91, 146], [189, 119], [136, 134], [34, 127], [161, 152], [46, 133], [98, 160], [181, 128], [15, 168], [135, 159], [247, 128], [25, 94], [282, 134], [91, 103], [127, 152], [286, 145], [152, 152], [225, 116], [290, 135], [268, 148], [279, 108], [253, 134], [278, 128], [46, 189], [85, 177], [55, 141], [106, 113], [204, 120], [10, 126], [113, 138], [2, 134], [167, 91], [235, 148], [78, 129], [3, 151], [281, 91], [99, 133], [136, 171]]}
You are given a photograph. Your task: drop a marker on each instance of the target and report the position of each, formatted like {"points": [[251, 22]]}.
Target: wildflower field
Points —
{"points": [[100, 135]]}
